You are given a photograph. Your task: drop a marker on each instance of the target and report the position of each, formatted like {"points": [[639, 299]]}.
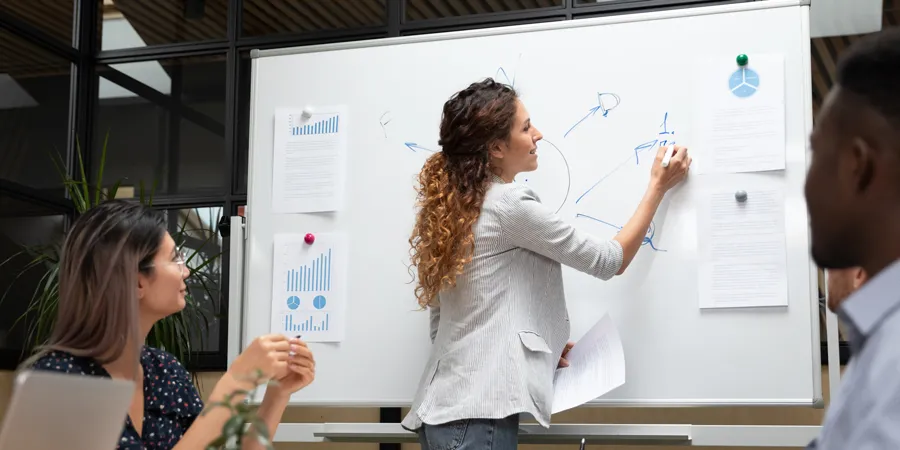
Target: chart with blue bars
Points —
{"points": [[308, 288], [312, 277], [298, 323], [317, 127]]}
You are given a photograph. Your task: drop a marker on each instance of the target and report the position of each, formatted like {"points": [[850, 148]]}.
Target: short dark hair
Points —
{"points": [[870, 68]]}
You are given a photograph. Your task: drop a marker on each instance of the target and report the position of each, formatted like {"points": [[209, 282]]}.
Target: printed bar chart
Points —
{"points": [[305, 323], [326, 126], [308, 286], [312, 277]]}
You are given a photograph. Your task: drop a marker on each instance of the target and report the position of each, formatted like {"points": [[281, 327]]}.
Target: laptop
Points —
{"points": [[52, 411]]}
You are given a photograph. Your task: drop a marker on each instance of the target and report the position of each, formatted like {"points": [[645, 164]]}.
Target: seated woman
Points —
{"points": [[120, 273]]}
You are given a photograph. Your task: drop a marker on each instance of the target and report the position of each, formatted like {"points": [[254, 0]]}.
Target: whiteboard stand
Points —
{"points": [[236, 241], [594, 434], [251, 252]]}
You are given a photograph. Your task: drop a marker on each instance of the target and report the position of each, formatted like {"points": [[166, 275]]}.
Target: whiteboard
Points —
{"points": [[394, 89]]}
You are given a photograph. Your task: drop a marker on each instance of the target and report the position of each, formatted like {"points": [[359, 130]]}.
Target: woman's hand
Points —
{"points": [[301, 369], [268, 354], [563, 362], [665, 178]]}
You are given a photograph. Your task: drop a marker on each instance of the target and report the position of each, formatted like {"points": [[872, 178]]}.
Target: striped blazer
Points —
{"points": [[497, 336]]}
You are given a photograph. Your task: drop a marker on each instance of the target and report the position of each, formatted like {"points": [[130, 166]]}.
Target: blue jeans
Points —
{"points": [[472, 434]]}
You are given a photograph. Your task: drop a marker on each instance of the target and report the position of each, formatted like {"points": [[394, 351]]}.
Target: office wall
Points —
{"points": [[697, 416]]}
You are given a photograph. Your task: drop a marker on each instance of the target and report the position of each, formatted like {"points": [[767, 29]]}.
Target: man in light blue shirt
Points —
{"points": [[853, 199]]}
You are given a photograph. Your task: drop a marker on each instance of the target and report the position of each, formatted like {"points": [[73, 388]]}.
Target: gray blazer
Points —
{"points": [[498, 334]]}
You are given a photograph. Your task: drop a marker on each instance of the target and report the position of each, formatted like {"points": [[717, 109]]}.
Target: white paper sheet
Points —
{"points": [[596, 366], [742, 249], [309, 287], [309, 160], [739, 114]]}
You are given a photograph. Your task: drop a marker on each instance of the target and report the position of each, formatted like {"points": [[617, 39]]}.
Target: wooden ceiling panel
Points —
{"points": [[827, 50], [439, 9], [268, 17], [161, 22], [20, 58], [53, 17]]}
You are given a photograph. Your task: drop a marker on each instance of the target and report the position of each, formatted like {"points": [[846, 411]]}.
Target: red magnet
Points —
{"points": [[309, 238]]}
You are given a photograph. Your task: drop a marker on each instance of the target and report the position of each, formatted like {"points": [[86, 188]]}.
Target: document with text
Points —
{"points": [[739, 115], [309, 160], [743, 251], [596, 367]]}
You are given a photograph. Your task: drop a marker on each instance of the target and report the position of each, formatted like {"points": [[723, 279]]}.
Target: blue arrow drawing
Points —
{"points": [[648, 238], [600, 107], [416, 147]]}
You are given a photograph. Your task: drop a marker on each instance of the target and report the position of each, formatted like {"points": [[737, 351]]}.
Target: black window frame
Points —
{"points": [[87, 57]]}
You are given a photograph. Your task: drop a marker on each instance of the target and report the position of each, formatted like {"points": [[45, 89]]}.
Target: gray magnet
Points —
{"points": [[740, 196]]}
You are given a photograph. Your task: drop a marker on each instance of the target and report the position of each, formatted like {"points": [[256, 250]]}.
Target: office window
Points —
{"points": [[271, 17], [141, 23], [52, 17], [195, 232], [442, 9], [34, 113], [166, 124], [242, 147], [27, 231]]}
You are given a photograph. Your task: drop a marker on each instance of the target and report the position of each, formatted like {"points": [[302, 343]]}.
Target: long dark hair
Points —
{"points": [[453, 182], [103, 253]]}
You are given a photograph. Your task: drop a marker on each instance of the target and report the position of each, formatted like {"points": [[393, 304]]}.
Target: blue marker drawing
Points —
{"points": [[568, 172], [384, 120], [502, 71], [605, 109], [650, 144], [744, 82], [648, 238], [637, 150], [416, 147]]}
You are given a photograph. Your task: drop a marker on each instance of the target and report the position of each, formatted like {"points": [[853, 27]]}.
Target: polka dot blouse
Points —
{"points": [[171, 402]]}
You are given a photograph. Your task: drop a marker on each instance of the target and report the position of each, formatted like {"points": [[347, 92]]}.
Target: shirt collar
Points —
{"points": [[864, 310], [496, 179]]}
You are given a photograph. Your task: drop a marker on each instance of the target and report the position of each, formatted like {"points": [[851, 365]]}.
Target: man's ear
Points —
{"points": [[859, 277], [862, 164]]}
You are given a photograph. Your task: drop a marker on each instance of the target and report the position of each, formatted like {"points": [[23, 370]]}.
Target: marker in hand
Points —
{"points": [[668, 156], [291, 353]]}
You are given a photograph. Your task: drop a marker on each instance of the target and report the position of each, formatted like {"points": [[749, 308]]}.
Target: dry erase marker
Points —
{"points": [[291, 353], [668, 155]]}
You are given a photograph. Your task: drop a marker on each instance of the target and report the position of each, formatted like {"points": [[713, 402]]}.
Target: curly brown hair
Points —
{"points": [[453, 183]]}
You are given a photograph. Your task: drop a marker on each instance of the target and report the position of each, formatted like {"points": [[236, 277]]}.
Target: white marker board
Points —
{"points": [[393, 89]]}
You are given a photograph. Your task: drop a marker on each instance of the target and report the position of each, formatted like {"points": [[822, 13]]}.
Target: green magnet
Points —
{"points": [[742, 60]]}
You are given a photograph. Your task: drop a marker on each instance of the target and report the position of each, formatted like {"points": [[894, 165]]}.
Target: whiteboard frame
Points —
{"points": [[815, 345]]}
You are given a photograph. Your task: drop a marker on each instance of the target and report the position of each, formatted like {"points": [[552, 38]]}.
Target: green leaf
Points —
{"points": [[100, 170], [84, 178], [261, 428], [234, 426], [262, 433], [218, 443], [113, 190]]}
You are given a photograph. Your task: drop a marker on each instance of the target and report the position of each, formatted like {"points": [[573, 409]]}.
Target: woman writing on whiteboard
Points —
{"points": [[489, 256], [120, 272]]}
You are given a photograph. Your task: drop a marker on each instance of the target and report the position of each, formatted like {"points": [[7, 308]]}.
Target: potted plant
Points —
{"points": [[244, 422], [177, 334]]}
